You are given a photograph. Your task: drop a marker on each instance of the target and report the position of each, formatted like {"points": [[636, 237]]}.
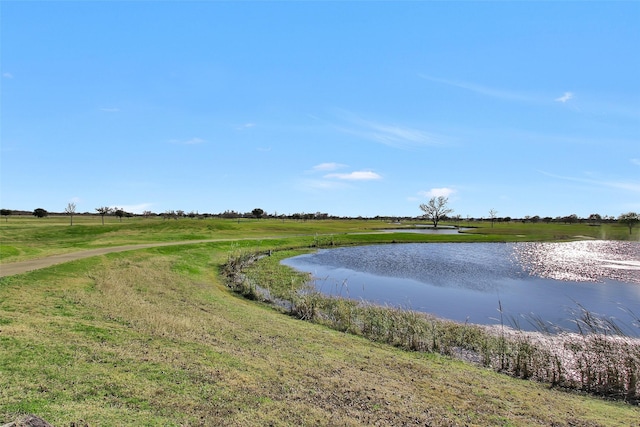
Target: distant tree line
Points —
{"points": [[435, 211]]}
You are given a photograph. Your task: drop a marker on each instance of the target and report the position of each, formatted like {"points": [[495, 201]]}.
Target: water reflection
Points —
{"points": [[585, 261], [465, 281]]}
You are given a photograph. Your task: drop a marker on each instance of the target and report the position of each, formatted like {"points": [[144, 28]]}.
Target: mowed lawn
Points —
{"points": [[153, 337]]}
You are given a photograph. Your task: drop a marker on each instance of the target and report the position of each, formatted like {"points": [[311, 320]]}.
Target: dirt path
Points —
{"points": [[36, 264]]}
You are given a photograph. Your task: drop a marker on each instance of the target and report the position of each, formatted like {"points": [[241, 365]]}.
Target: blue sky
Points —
{"points": [[350, 108]]}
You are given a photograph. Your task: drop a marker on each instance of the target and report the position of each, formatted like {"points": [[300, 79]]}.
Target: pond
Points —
{"points": [[529, 286]]}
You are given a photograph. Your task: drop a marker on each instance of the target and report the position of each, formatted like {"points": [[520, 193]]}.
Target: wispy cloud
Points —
{"points": [[245, 126], [355, 176], [437, 192], [565, 97], [7, 75], [110, 110], [632, 186], [623, 185], [635, 161], [393, 135], [597, 107], [192, 141], [398, 136], [484, 90], [330, 166]]}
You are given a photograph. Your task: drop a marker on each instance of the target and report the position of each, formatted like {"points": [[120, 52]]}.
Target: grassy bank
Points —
{"points": [[27, 238], [154, 337], [600, 360]]}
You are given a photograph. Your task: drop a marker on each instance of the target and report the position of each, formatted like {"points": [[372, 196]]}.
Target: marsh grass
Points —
{"points": [[599, 360]]}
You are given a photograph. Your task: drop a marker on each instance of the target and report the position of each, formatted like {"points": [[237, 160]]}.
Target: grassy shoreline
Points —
{"points": [[154, 337], [600, 360]]}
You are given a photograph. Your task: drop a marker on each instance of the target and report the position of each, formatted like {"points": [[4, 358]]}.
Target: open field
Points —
{"points": [[25, 237], [154, 337]]}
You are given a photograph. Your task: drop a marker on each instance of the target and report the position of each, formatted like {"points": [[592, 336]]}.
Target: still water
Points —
{"points": [[536, 284]]}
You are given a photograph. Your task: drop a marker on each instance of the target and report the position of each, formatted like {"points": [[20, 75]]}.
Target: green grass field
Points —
{"points": [[154, 337], [24, 237]]}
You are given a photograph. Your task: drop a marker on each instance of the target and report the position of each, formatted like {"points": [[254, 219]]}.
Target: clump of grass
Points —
{"points": [[320, 241], [605, 365], [234, 269], [599, 360]]}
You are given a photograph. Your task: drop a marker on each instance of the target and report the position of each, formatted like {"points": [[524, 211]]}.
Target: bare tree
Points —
{"points": [[104, 210], [170, 214], [493, 215], [70, 210], [436, 209]]}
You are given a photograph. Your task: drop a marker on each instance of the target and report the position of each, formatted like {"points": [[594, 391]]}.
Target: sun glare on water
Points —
{"points": [[585, 261]]}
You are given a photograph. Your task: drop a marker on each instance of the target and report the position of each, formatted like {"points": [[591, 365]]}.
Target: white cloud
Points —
{"points": [[192, 141], [7, 75], [330, 166], [355, 176], [110, 110], [635, 161], [437, 192], [565, 97]]}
